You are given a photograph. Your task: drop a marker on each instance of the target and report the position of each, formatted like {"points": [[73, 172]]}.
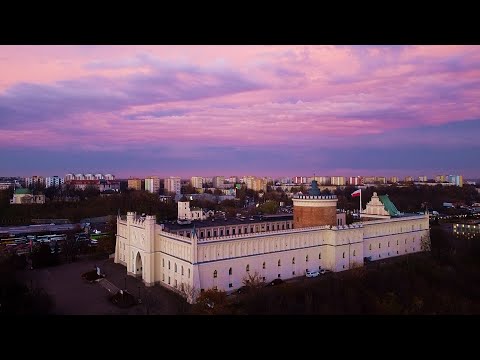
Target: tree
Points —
{"points": [[253, 280], [189, 292], [211, 302]]}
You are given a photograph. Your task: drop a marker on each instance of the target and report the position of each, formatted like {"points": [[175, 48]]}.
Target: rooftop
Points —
{"points": [[232, 221], [22, 191]]}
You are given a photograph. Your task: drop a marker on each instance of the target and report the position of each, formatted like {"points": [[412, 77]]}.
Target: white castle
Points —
{"points": [[219, 254]]}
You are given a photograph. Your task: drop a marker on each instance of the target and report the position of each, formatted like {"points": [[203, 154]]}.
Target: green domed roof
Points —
{"points": [[314, 190]]}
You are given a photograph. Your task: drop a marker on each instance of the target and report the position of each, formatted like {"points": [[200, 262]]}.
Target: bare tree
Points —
{"points": [[425, 243], [189, 292], [253, 280]]}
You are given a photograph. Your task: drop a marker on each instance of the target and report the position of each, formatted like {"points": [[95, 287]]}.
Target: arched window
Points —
{"points": [[306, 258], [319, 256], [370, 247], [293, 261], [247, 268], [230, 271], [353, 252], [263, 265], [215, 274], [182, 269], [343, 255], [279, 264]]}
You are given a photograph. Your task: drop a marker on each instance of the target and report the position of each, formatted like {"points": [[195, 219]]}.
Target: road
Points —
{"points": [[32, 229]]}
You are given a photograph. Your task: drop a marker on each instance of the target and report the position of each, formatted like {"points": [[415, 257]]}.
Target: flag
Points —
{"points": [[357, 193]]}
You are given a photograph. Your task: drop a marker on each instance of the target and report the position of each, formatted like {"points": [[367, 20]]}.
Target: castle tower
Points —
{"points": [[314, 209]]}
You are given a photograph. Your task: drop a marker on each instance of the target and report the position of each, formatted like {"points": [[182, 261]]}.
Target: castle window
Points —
{"points": [[247, 269], [288, 226], [168, 264], [370, 247], [175, 267], [163, 277], [189, 273], [397, 242], [228, 231], [214, 233], [279, 263], [353, 252], [344, 255], [163, 262], [306, 258], [389, 244], [221, 232], [263, 265], [379, 245], [319, 256], [278, 276], [208, 233], [268, 227], [215, 274], [230, 285], [169, 280], [182, 269], [230, 271], [283, 226], [201, 234], [293, 261], [176, 283], [233, 231], [405, 241], [293, 272]]}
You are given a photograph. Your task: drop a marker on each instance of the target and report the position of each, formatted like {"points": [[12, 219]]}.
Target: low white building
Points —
{"points": [[187, 213], [222, 262]]}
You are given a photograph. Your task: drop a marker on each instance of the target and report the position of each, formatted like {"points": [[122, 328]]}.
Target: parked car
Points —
{"points": [[311, 274], [275, 282]]}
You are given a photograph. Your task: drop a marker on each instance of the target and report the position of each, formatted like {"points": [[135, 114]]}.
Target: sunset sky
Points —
{"points": [[240, 110]]}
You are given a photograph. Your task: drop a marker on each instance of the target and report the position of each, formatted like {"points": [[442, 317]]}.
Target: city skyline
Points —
{"points": [[234, 110]]}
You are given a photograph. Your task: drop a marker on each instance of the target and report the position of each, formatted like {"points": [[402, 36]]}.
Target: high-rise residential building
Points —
{"points": [[394, 179], [408, 178], [89, 177], [381, 179], [422, 179], [355, 180], [109, 177], [173, 184], [152, 184], [197, 182], [456, 180], [54, 181], [135, 184], [69, 177], [321, 180], [218, 181], [337, 180], [260, 184], [99, 177], [233, 179], [441, 178], [369, 179], [299, 179], [79, 177], [34, 181]]}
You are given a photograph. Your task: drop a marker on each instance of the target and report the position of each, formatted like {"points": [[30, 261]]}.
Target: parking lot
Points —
{"points": [[72, 295]]}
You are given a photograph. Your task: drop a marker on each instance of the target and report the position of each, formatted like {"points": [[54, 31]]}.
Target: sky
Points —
{"points": [[240, 110]]}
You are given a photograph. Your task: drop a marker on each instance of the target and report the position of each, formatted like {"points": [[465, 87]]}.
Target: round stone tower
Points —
{"points": [[314, 209]]}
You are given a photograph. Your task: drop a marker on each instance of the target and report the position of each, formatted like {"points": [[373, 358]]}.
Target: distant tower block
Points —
{"points": [[314, 209]]}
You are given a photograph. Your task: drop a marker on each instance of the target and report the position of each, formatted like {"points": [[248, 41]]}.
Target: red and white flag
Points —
{"points": [[357, 193]]}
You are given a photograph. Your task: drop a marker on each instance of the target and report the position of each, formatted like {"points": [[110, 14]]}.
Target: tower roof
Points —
{"points": [[388, 205], [314, 190]]}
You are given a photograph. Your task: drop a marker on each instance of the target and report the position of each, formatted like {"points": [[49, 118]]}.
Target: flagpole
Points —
{"points": [[360, 214]]}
